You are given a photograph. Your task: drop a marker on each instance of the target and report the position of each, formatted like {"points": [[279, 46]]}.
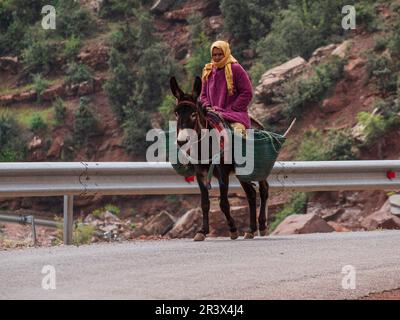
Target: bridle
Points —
{"points": [[194, 105], [198, 126]]}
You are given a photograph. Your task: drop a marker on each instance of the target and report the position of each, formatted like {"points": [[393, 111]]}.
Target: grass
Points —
{"points": [[8, 90], [82, 233], [24, 116], [296, 205]]}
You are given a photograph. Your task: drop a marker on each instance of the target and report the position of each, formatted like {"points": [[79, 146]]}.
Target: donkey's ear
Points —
{"points": [[196, 88], [176, 91]]}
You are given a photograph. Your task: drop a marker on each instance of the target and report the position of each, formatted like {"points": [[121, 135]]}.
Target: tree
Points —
{"points": [[136, 127], [85, 124]]}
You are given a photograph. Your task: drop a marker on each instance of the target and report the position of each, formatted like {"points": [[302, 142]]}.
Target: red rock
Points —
{"points": [[28, 96], [191, 222], [55, 148], [35, 143], [159, 224], [6, 99], [337, 227], [354, 64], [95, 57], [53, 92], [9, 64], [334, 104], [71, 91], [302, 223], [86, 88], [216, 22], [381, 219], [321, 54]]}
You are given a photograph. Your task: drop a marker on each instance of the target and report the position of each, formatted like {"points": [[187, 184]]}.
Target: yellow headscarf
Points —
{"points": [[225, 62]]}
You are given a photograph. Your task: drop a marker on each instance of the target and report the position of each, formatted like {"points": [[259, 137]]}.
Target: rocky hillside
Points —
{"points": [[88, 91]]}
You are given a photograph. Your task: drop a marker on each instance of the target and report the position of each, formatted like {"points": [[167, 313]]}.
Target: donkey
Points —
{"points": [[192, 115]]}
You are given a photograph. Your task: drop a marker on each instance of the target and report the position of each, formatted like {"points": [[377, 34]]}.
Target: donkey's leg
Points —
{"points": [[262, 218], [251, 195], [205, 206], [224, 202]]}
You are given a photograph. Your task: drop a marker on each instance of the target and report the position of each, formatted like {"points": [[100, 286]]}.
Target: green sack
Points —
{"points": [[266, 149]]}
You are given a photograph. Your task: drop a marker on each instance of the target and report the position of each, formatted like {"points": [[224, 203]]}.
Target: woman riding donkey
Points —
{"points": [[226, 87]]}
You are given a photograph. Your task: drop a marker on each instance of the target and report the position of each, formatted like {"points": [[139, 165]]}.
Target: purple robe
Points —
{"points": [[215, 93]]}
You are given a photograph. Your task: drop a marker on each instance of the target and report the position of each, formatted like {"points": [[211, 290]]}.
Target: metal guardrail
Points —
{"points": [[133, 178], [30, 219]]}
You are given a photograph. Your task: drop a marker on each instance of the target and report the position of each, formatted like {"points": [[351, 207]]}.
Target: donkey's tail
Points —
{"points": [[290, 127]]}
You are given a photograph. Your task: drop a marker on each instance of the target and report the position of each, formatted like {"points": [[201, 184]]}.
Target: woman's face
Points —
{"points": [[217, 54]]}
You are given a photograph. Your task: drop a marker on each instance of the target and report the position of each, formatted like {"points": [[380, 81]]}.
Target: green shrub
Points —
{"points": [[115, 9], [340, 145], [367, 15], [78, 73], [113, 209], [72, 47], [59, 110], [297, 205], [299, 30], [12, 140], [82, 233], [28, 11], [73, 19], [380, 43], [119, 87], [383, 69], [39, 55], [312, 147], [85, 124], [136, 127], [166, 108], [394, 44], [11, 41], [256, 71], [374, 126], [140, 69], [248, 21], [200, 48], [37, 123], [40, 85], [16, 16], [125, 39], [67, 151], [304, 91], [336, 145]]}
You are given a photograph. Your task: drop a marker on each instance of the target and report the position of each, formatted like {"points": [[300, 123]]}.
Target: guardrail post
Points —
{"points": [[68, 218]]}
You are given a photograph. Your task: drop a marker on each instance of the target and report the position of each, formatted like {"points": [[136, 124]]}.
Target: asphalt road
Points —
{"points": [[284, 267]]}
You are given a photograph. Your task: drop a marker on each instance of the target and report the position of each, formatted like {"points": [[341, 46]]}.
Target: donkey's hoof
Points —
{"points": [[234, 235], [199, 237], [249, 235], [262, 233]]}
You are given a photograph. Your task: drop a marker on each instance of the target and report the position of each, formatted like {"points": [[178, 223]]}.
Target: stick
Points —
{"points": [[290, 127]]}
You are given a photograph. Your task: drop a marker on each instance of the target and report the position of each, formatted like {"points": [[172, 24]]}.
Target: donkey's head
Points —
{"points": [[188, 109]]}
